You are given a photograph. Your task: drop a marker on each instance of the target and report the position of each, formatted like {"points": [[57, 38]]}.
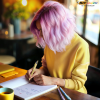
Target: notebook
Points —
{"points": [[5, 68], [25, 90], [8, 74]]}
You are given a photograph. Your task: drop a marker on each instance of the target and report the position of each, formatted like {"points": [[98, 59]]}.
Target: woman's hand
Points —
{"points": [[43, 61], [36, 72], [43, 80], [47, 80]]}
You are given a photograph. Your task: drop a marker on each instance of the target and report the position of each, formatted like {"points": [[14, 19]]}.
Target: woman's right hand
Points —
{"points": [[36, 72]]}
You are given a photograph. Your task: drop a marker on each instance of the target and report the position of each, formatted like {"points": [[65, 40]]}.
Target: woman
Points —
{"points": [[66, 54]]}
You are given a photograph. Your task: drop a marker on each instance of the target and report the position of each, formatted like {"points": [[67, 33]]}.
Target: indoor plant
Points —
{"points": [[16, 12]]}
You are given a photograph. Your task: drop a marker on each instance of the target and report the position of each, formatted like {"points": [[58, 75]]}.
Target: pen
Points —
{"points": [[61, 96], [34, 68], [65, 94]]}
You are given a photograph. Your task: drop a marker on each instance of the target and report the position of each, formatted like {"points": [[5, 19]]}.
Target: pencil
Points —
{"points": [[65, 94], [61, 96], [33, 68]]}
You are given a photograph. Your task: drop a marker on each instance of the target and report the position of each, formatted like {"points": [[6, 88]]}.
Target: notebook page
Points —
{"points": [[15, 82], [31, 90]]}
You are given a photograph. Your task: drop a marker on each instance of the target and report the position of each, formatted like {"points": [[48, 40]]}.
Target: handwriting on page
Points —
{"points": [[27, 91], [30, 90]]}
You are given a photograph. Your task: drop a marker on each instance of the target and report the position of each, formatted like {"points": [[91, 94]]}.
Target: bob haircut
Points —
{"points": [[58, 25]]}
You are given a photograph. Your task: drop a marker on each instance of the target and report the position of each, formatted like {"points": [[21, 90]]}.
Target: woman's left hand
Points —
{"points": [[43, 80]]}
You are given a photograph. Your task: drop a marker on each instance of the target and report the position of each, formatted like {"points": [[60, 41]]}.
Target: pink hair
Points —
{"points": [[58, 25]]}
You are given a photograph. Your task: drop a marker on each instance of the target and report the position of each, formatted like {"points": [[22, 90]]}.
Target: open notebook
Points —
{"points": [[25, 90], [5, 68]]}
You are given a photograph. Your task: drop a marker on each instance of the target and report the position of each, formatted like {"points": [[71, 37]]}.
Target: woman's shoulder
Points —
{"points": [[80, 41]]}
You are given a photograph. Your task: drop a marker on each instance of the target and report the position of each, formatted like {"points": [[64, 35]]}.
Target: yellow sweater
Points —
{"points": [[71, 64]]}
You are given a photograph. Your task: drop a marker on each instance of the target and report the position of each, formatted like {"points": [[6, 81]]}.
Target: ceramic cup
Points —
{"points": [[6, 94]]}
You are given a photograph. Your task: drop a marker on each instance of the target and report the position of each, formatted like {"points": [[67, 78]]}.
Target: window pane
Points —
{"points": [[72, 6], [92, 21], [78, 11], [79, 18]]}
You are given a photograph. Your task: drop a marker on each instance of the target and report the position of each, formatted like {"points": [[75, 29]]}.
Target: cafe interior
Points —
{"points": [[18, 45]]}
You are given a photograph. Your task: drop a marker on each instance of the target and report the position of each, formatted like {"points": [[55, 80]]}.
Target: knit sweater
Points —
{"points": [[71, 64]]}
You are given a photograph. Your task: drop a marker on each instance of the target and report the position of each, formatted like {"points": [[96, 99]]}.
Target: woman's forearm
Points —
{"points": [[55, 81], [58, 81]]}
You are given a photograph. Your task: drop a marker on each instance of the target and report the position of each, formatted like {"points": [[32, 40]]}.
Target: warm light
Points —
{"points": [[71, 7], [24, 2], [6, 32]]}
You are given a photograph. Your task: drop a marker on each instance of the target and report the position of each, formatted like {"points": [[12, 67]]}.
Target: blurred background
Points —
{"points": [[17, 41]]}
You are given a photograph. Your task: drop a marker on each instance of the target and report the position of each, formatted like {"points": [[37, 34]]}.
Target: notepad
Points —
{"points": [[5, 68], [8, 74], [25, 90]]}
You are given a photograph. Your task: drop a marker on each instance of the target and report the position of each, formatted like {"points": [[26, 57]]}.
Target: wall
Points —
{"points": [[94, 56], [94, 53]]}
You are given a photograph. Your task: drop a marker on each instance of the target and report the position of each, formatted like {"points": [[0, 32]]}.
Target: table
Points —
{"points": [[23, 35], [52, 95], [15, 41]]}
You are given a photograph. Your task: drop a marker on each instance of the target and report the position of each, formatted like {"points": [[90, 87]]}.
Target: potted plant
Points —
{"points": [[16, 12]]}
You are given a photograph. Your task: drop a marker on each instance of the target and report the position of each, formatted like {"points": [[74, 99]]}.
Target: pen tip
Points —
{"points": [[36, 61]]}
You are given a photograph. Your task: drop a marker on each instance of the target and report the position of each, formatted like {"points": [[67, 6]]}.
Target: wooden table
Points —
{"points": [[23, 35], [52, 95], [16, 41]]}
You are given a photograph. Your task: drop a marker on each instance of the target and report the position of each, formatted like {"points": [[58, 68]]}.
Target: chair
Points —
{"points": [[93, 81], [6, 59]]}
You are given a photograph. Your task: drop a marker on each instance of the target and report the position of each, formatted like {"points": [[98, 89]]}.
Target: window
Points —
{"points": [[91, 26], [92, 21], [79, 18]]}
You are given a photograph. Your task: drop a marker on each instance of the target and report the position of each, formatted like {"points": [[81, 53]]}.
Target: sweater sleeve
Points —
{"points": [[78, 75]]}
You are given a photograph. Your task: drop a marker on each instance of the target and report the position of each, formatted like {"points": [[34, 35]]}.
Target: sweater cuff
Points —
{"points": [[69, 84]]}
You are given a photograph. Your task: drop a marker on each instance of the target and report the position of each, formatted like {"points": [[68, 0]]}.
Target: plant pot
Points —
{"points": [[16, 22]]}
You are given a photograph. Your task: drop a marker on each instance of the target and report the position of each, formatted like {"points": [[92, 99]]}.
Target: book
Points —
{"points": [[25, 90], [6, 68]]}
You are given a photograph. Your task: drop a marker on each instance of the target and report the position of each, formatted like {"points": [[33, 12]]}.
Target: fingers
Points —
{"points": [[34, 74], [27, 77], [28, 74], [43, 57], [38, 79], [44, 65], [43, 62]]}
